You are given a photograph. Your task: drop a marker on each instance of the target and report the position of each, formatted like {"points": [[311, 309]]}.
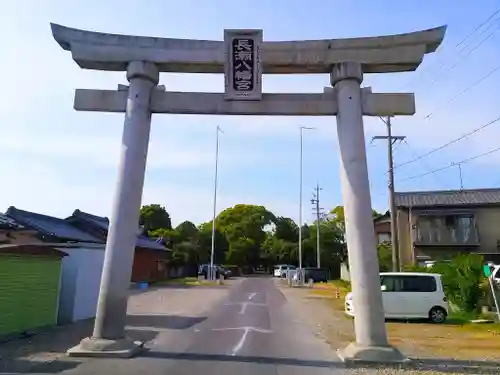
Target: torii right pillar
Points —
{"points": [[371, 343]]}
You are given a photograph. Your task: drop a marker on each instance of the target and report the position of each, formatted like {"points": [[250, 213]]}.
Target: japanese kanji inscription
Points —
{"points": [[243, 73]]}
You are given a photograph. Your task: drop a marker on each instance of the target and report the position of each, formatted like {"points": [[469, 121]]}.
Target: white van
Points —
{"points": [[280, 270], [410, 295]]}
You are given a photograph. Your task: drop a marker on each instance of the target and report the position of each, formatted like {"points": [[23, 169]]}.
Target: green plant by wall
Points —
{"points": [[462, 280]]}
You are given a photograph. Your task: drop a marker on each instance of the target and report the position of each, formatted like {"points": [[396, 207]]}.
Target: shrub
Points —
{"points": [[384, 251], [462, 279]]}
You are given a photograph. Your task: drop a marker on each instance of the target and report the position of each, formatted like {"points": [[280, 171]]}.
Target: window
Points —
{"points": [[389, 282], [384, 237], [447, 229], [424, 284]]}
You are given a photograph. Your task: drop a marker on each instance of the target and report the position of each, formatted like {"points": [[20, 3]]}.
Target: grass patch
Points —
{"points": [[330, 291], [456, 338]]}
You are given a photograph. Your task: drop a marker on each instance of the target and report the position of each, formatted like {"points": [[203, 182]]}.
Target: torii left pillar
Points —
{"points": [[108, 338]]}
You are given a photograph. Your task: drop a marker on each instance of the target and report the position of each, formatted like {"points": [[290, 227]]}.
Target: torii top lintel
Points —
{"points": [[383, 54]]}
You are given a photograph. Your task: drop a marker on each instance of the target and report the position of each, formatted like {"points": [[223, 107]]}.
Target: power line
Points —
{"points": [[478, 27], [464, 57], [426, 166], [449, 143], [490, 73], [471, 33], [452, 165]]}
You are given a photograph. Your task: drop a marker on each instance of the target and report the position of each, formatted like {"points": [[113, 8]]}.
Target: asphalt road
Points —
{"points": [[252, 331]]}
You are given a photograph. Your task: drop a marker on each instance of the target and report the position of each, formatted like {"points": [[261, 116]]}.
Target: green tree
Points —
{"points": [[331, 246], [186, 253], [286, 229], [205, 243], [337, 216], [276, 250], [169, 236], [243, 226], [187, 231], [239, 251], [153, 217]]}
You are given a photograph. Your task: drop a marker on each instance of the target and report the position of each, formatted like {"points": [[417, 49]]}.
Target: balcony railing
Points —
{"points": [[452, 237], [447, 230]]}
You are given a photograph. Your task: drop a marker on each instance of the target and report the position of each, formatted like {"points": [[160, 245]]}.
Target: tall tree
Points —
{"points": [[187, 231], [153, 217], [337, 216], [243, 225], [205, 243], [286, 229]]}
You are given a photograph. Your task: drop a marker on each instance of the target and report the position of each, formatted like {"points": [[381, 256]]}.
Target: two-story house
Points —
{"points": [[382, 226], [436, 225]]}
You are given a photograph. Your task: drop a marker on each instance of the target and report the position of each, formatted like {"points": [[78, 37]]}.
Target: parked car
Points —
{"points": [[280, 270], [203, 270], [224, 271], [318, 275], [410, 295]]}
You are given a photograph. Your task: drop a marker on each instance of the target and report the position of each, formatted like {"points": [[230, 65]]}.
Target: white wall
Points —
{"points": [[67, 290], [344, 272], [81, 279]]}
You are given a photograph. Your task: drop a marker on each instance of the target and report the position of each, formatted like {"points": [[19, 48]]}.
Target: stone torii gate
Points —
{"points": [[346, 60]]}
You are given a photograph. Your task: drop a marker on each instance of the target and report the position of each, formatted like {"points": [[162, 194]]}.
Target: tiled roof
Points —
{"points": [[478, 197], [103, 223], [51, 226], [7, 222]]}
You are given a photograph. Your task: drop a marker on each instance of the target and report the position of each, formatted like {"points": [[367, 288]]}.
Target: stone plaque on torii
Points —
{"points": [[244, 57]]}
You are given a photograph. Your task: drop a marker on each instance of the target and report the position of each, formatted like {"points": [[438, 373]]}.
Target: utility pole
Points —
{"points": [[211, 272], [302, 128], [391, 139], [317, 211]]}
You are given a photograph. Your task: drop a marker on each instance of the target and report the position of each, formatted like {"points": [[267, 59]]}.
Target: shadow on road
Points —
{"points": [[23, 366], [44, 353], [163, 321], [439, 366]]}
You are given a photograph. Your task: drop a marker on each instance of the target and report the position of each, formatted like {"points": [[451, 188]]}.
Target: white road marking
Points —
{"points": [[240, 343], [245, 330], [245, 303], [243, 308], [251, 295], [249, 328]]}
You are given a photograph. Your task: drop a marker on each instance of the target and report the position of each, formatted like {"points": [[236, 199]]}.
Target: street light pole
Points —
{"points": [[211, 273], [300, 200]]}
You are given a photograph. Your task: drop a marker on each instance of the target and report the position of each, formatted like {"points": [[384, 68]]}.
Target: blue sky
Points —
{"points": [[54, 159]]}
